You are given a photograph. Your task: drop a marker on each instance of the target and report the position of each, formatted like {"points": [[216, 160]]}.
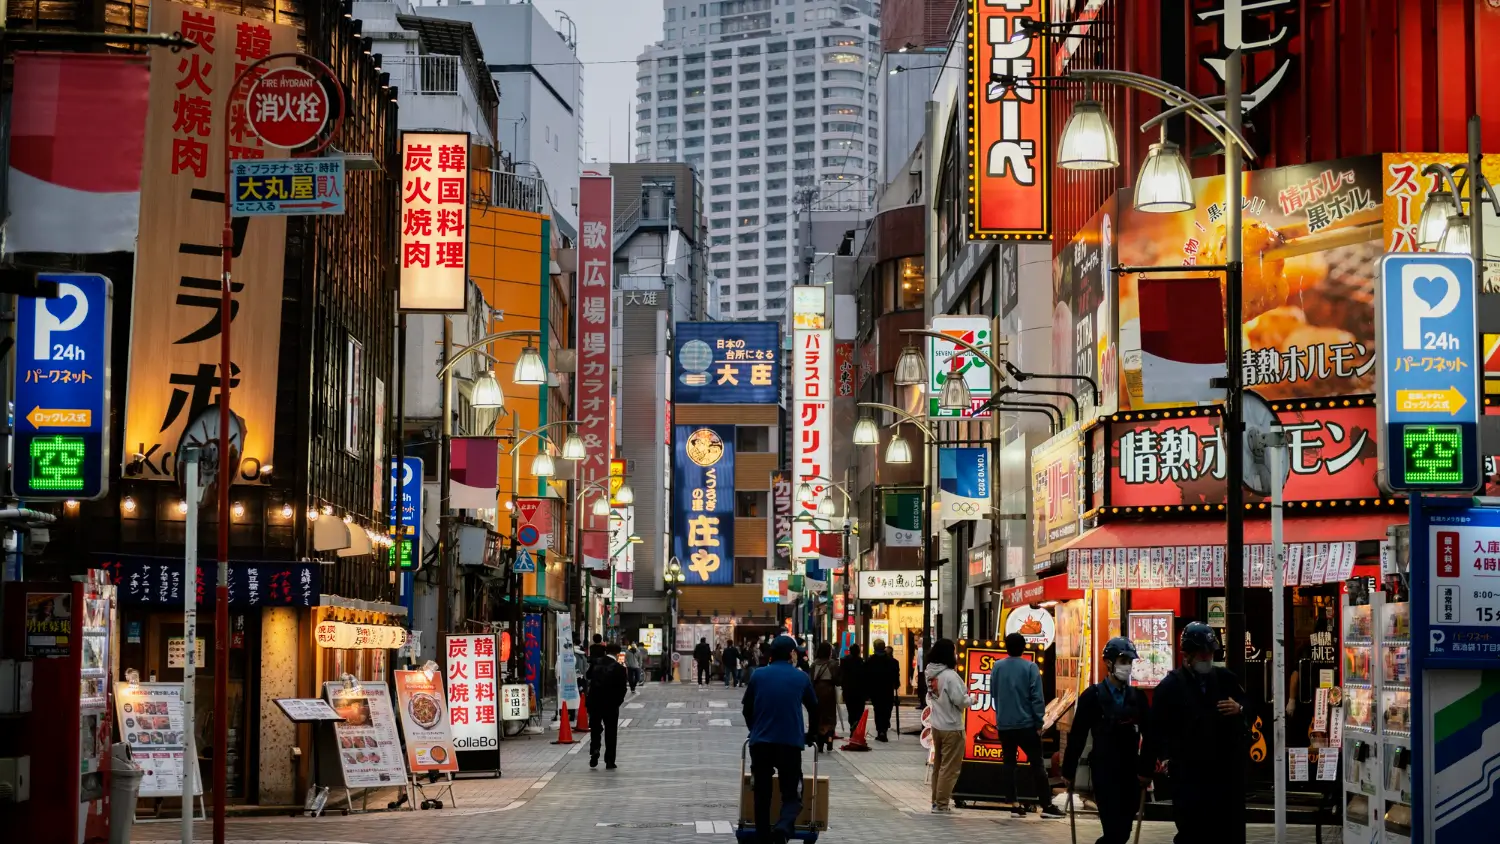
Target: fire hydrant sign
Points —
{"points": [[286, 186], [287, 107], [473, 710]]}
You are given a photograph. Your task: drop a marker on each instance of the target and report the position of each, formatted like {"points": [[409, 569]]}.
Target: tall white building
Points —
{"points": [[775, 103]]}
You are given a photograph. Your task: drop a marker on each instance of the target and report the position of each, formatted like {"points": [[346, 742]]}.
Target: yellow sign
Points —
{"points": [[616, 480], [1449, 401], [40, 418]]}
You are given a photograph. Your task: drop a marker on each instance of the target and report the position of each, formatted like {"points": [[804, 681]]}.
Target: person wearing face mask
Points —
{"points": [[1114, 714], [1197, 724]]}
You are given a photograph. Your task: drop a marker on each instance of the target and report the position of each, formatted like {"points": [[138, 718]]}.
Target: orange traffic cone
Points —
{"points": [[565, 728], [583, 714], [857, 737]]}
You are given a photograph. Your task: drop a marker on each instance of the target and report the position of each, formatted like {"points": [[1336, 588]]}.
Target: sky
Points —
{"points": [[611, 33]]}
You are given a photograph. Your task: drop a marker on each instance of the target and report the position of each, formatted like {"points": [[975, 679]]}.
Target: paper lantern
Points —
{"points": [[335, 634]]}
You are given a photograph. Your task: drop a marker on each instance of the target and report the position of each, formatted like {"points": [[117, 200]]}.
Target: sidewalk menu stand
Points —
{"points": [[151, 723], [317, 712], [366, 744]]}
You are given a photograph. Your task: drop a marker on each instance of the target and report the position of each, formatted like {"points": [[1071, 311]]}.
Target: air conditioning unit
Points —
{"points": [[564, 361]]}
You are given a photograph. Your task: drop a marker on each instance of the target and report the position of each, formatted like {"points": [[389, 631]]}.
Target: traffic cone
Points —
{"points": [[857, 737], [583, 714], [565, 728]]}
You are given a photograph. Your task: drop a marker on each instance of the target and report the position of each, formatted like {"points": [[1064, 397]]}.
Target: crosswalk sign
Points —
{"points": [[524, 563]]}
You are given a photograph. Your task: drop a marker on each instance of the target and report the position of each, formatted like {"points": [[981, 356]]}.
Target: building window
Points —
{"points": [[752, 439]]}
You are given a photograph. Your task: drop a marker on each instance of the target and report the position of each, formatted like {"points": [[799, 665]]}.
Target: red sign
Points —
{"points": [[594, 304], [981, 739], [1181, 461], [287, 107], [1009, 144], [534, 527], [1053, 588], [1447, 553]]}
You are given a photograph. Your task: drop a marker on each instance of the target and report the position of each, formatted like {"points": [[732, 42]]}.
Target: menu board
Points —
{"points": [[515, 703], [424, 718], [151, 722], [1152, 634], [473, 710], [369, 744], [307, 709]]}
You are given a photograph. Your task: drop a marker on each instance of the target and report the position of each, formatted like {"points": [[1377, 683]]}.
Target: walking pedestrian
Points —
{"points": [[607, 683], [1114, 714], [718, 665], [1016, 689], [774, 700], [596, 649], [948, 696], [633, 666], [703, 655], [1198, 725], [852, 680], [824, 674], [732, 665], [883, 677]]}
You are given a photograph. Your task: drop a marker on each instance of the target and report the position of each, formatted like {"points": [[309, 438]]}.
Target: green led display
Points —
{"points": [[57, 462], [1434, 454], [404, 546]]}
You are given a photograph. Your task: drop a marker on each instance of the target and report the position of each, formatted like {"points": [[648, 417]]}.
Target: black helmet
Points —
{"points": [[1119, 646], [1198, 637]]}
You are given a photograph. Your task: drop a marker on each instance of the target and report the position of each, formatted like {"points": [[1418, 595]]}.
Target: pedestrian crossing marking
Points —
{"points": [[635, 706], [714, 827], [718, 704], [624, 722], [678, 705], [720, 722], [669, 722]]}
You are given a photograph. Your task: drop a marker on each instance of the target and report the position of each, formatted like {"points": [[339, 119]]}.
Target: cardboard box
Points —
{"points": [[811, 806]]}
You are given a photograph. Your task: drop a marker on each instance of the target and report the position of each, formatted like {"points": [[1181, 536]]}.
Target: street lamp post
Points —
{"points": [[928, 438], [673, 577], [827, 510]]}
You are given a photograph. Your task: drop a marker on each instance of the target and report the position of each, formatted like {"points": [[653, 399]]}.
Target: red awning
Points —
{"points": [[1053, 588], [1348, 528]]}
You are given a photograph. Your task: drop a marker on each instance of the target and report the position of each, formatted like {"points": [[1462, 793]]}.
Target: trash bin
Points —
{"points": [[124, 789]]}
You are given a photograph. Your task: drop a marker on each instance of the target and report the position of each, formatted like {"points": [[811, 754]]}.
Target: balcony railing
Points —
{"points": [[518, 192], [425, 74]]}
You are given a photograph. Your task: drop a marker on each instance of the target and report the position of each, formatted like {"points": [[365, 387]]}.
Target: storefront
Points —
{"points": [[892, 605]]}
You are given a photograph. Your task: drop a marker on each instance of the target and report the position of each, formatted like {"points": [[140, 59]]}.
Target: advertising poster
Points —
{"points": [[1152, 634], [1056, 475], [1312, 236], [981, 739], [1406, 190], [902, 515], [964, 483], [1034, 623], [531, 633], [773, 582], [651, 638], [369, 743], [515, 702], [424, 719], [703, 503], [472, 680], [843, 357], [1083, 303], [727, 362], [49, 622], [150, 718]]}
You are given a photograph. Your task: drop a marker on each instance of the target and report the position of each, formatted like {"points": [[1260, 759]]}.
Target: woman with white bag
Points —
{"points": [[1108, 726]]}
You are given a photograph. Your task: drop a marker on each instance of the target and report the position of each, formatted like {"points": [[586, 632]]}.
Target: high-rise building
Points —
{"points": [[775, 104]]}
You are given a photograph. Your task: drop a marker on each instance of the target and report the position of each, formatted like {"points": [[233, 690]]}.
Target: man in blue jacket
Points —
{"points": [[1016, 689], [774, 699]]}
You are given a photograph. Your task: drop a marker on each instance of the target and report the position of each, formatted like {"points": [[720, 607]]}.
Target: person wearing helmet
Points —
{"points": [[1113, 713], [1198, 726]]}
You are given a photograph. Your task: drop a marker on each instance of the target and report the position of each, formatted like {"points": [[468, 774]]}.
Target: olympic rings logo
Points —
{"points": [[964, 508]]}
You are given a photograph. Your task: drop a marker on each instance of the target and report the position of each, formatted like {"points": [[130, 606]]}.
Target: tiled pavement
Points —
{"points": [[677, 782]]}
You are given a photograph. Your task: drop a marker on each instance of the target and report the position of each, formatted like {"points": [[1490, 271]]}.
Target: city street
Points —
{"points": [[679, 755]]}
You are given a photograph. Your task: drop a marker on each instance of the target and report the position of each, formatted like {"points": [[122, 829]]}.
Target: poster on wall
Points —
{"points": [[49, 623], [1152, 634], [651, 638], [703, 503], [1083, 309], [1406, 190], [424, 719], [1056, 475], [1036, 624], [369, 741], [150, 718], [471, 692]]}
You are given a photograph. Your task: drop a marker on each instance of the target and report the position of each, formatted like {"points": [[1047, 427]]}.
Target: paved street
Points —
{"points": [[679, 757]]}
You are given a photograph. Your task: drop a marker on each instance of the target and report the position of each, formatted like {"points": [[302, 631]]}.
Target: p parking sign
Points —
{"points": [[62, 390], [1429, 358]]}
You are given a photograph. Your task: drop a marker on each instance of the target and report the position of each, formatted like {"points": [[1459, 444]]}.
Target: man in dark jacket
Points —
{"points": [[607, 684], [773, 704], [731, 665], [703, 655], [852, 679], [1114, 714], [882, 678], [1198, 726]]}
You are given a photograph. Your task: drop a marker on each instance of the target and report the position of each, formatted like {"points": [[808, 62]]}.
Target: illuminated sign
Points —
{"points": [[593, 396], [949, 360], [434, 221], [1057, 470], [616, 482], [812, 432], [703, 503], [406, 492], [809, 306], [1428, 349], [727, 362], [1009, 144], [62, 390]]}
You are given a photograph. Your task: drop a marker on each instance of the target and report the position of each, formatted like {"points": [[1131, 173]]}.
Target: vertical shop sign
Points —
{"points": [[1009, 144], [434, 221], [531, 633], [781, 518], [595, 302], [174, 352], [902, 515], [964, 483], [949, 360], [703, 503], [843, 356], [472, 709], [812, 439]]}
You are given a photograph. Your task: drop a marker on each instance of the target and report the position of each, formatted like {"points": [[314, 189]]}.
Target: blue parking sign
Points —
{"points": [[1429, 355], [62, 390], [406, 493]]}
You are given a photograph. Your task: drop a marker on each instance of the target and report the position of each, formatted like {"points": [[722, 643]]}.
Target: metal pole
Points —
{"points": [[189, 459], [1234, 429], [445, 489], [1275, 443], [926, 550], [1476, 199], [516, 577], [221, 593], [398, 488]]}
